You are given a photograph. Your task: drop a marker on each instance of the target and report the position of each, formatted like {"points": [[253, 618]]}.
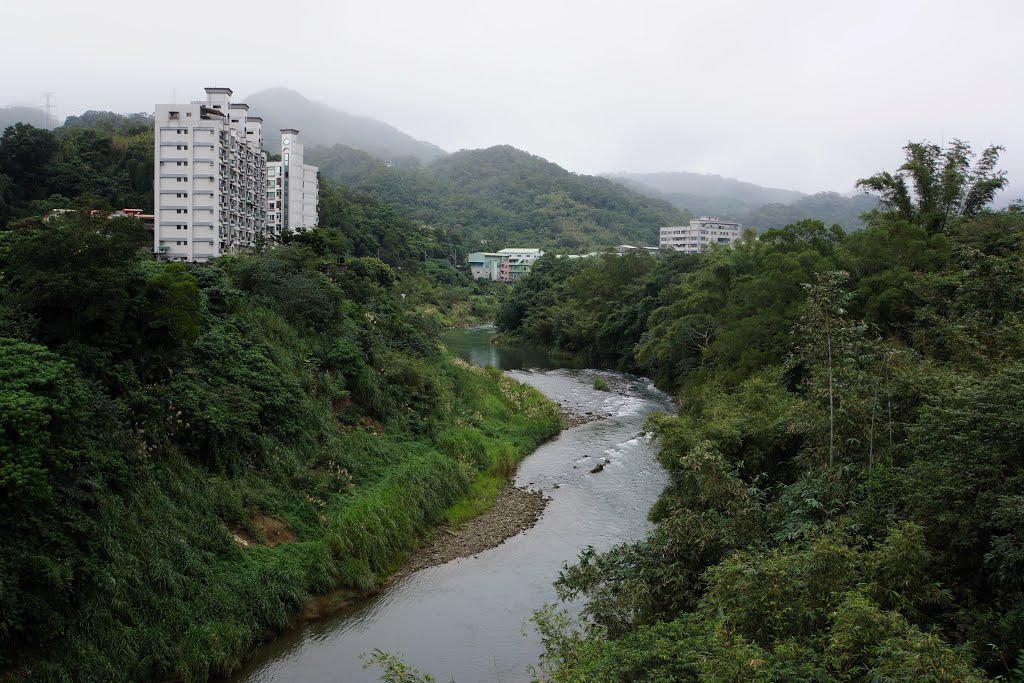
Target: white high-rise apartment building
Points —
{"points": [[695, 237], [293, 192], [211, 191]]}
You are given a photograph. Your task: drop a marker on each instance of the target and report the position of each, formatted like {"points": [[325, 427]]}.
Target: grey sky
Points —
{"points": [[805, 95]]}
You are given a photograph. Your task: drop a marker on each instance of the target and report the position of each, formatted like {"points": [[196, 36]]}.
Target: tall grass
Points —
{"points": [[338, 417], [174, 597]]}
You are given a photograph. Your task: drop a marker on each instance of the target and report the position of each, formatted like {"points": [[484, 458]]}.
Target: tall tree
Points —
{"points": [[934, 186]]}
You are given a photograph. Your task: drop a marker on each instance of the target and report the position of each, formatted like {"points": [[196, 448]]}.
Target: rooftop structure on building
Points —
{"points": [[211, 191], [700, 234]]}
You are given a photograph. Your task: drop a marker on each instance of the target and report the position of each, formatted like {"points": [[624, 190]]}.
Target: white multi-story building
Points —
{"points": [[209, 175], [293, 191], [211, 191], [700, 233]]}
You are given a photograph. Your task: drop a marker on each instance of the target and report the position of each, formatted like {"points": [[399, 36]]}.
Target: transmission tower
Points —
{"points": [[49, 105]]}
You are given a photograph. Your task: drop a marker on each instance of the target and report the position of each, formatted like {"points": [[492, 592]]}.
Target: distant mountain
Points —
{"points": [[831, 208], [710, 186], [504, 197], [31, 115], [324, 125], [753, 205]]}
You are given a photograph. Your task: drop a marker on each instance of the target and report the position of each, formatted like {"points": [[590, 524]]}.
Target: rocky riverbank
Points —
{"points": [[514, 510], [573, 419]]}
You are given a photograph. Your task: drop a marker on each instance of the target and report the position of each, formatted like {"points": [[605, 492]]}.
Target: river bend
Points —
{"points": [[465, 619]]}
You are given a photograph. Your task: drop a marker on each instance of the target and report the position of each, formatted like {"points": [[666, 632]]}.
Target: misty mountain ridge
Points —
{"points": [[708, 185], [23, 114], [753, 205], [321, 124], [502, 193]]}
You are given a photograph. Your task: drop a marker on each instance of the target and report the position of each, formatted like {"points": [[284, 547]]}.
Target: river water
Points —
{"points": [[465, 619]]}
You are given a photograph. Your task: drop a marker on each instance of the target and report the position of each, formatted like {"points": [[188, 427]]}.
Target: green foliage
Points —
{"points": [[845, 471], [176, 303], [190, 452], [110, 160], [79, 277], [502, 196], [601, 385], [38, 396], [942, 184]]}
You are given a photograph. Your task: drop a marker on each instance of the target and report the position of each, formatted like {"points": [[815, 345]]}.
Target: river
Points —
{"points": [[465, 619]]}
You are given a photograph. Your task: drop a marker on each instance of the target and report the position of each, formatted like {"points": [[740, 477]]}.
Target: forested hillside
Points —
{"points": [[846, 467], [107, 166], [753, 205], [110, 121], [502, 196], [190, 451]]}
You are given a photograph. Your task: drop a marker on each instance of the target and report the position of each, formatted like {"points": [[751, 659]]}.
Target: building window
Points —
{"points": [[173, 116]]}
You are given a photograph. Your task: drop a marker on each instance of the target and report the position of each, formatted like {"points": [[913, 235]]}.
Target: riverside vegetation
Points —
{"points": [[846, 469], [191, 451]]}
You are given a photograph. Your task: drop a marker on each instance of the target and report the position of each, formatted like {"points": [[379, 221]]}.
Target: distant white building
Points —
{"points": [[701, 232], [624, 249], [293, 191], [520, 261], [210, 180], [507, 265]]}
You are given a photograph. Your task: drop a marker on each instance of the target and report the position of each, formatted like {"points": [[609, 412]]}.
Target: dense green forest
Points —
{"points": [[167, 426], [191, 451], [760, 207], [846, 466], [110, 165], [501, 197]]}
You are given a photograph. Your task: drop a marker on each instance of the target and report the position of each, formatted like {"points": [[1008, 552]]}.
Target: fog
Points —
{"points": [[805, 95]]}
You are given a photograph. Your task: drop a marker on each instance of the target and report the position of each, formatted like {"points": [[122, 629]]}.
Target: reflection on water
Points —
{"points": [[465, 618], [474, 345]]}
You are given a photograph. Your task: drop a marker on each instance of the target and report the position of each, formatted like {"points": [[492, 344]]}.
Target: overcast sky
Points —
{"points": [[806, 95]]}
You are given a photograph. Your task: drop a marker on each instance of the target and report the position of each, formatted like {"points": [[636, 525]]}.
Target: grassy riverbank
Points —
{"points": [[197, 450]]}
